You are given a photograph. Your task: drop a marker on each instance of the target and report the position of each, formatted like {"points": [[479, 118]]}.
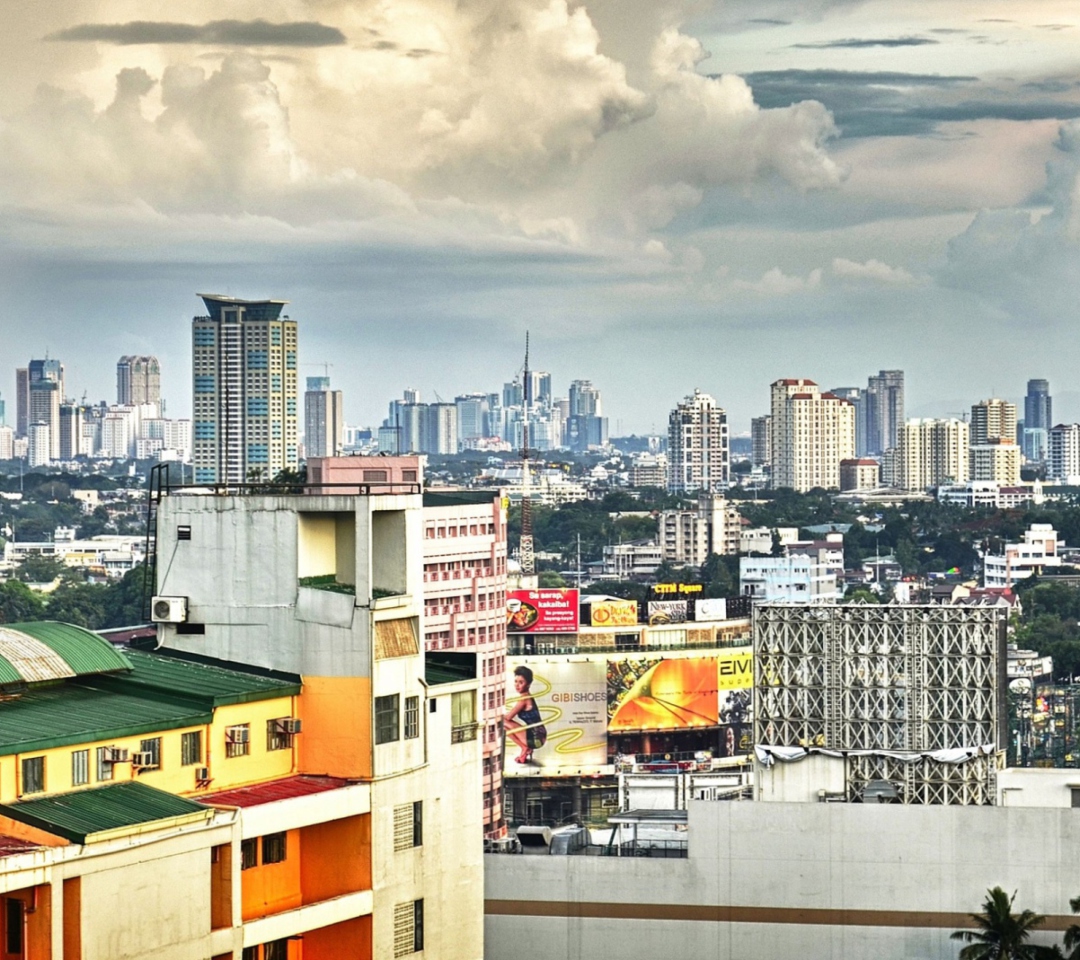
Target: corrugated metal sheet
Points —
{"points": [[32, 660], [73, 713], [284, 789], [83, 651], [221, 686], [79, 815], [395, 638]]}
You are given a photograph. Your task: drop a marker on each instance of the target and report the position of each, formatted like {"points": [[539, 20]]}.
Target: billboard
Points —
{"points": [[556, 716], [613, 613], [667, 611], [542, 611], [710, 609]]}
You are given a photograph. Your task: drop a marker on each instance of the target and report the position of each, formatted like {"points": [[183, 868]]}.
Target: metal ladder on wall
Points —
{"points": [[157, 485]]}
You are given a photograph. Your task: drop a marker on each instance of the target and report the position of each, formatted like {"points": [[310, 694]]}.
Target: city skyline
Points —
{"points": [[867, 188]]}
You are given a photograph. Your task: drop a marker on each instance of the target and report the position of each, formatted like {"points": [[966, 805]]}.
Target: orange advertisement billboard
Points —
{"points": [[613, 613]]}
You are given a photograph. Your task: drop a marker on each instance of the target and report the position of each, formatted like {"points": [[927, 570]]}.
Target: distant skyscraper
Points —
{"points": [[933, 452], [138, 380], [857, 397], [761, 441], [324, 419], [473, 414], [586, 426], [884, 411], [698, 453], [1038, 419], [45, 410], [993, 420], [22, 401], [245, 390], [811, 433]]}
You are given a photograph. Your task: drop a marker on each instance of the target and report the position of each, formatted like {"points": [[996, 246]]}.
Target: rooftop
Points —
{"points": [[284, 789], [46, 650], [253, 309], [88, 815]]}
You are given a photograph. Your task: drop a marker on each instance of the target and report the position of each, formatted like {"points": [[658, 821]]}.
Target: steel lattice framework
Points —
{"points": [[910, 679]]}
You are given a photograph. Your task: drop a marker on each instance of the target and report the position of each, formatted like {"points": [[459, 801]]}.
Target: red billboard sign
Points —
{"points": [[542, 611]]}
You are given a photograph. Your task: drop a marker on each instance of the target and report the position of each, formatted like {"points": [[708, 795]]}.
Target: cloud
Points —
{"points": [[776, 283], [248, 33], [871, 270], [854, 43], [769, 22]]}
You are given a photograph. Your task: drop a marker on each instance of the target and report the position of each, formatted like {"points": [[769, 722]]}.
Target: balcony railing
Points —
{"points": [[463, 733]]}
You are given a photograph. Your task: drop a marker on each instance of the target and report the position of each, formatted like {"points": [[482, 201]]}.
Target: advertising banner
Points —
{"points": [[556, 719], [542, 611], [666, 611], [613, 613], [712, 609], [656, 694]]}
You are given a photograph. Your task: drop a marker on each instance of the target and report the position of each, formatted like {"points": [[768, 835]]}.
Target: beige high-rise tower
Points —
{"points": [[811, 433], [933, 452]]}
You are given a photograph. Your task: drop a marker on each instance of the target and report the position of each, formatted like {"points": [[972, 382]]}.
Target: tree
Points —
{"points": [[37, 568], [1001, 934], [551, 579], [1072, 934], [19, 604]]}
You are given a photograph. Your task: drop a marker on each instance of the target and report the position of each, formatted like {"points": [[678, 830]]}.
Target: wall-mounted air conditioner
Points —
{"points": [[115, 755], [202, 774], [169, 609], [143, 759], [290, 725]]}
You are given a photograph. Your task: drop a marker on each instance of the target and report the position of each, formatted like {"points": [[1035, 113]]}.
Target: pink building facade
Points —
{"points": [[465, 611]]}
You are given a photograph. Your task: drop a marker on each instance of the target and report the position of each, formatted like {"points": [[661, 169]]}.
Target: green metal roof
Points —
{"points": [[456, 498], [87, 815], [442, 666], [156, 672], [70, 713], [47, 650]]}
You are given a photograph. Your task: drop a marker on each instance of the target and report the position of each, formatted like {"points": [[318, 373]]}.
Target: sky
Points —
{"points": [[667, 194]]}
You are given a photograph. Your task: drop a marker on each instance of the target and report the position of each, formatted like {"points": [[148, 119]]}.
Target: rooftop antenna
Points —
{"points": [[528, 558]]}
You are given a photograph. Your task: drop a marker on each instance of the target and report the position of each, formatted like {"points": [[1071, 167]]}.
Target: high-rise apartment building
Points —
{"points": [[245, 390], [997, 460], [761, 441], [22, 401], [1063, 453], [857, 397], [1038, 419], [586, 426], [39, 391], [45, 410], [324, 419], [933, 452], [688, 537], [699, 457], [993, 420], [138, 381], [473, 415], [884, 411], [811, 433]]}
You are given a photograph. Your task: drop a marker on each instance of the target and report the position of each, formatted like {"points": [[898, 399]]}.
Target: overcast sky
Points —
{"points": [[667, 194]]}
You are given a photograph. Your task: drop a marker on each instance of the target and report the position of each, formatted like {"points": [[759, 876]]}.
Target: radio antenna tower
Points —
{"points": [[528, 559]]}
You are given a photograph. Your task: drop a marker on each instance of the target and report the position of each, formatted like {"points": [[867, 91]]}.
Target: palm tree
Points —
{"points": [[1072, 934], [1001, 934]]}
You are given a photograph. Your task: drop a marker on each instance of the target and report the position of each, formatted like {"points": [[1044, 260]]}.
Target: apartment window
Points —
{"points": [[276, 950], [249, 854], [80, 767], [238, 740], [387, 718], [33, 775], [412, 718], [408, 825], [250, 953], [418, 823], [13, 917], [273, 848], [104, 764], [463, 716], [276, 737], [152, 749], [408, 928], [1075, 796], [191, 748]]}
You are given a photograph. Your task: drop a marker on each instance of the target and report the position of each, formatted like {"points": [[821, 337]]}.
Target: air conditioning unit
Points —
{"points": [[143, 759], [168, 609], [202, 774], [115, 755], [237, 735], [290, 725]]}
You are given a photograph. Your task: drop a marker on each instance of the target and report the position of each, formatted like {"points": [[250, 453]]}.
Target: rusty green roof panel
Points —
{"points": [[48, 650], [86, 815], [74, 712], [157, 673]]}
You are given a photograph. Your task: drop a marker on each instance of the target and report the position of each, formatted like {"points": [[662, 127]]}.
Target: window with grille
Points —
{"points": [[273, 848], [250, 953], [153, 748], [249, 854], [412, 718], [191, 748], [276, 737], [80, 767], [104, 766], [387, 710], [409, 825], [33, 775], [463, 716], [408, 928], [276, 950], [238, 740]]}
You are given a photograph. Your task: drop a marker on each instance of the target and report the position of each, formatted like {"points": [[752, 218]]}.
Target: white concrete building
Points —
{"points": [[811, 433], [39, 450], [933, 452], [997, 460], [1041, 549], [1063, 454], [790, 579], [687, 537], [698, 452]]}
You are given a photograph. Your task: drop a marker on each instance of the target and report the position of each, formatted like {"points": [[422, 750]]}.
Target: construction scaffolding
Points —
{"points": [[868, 681]]}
